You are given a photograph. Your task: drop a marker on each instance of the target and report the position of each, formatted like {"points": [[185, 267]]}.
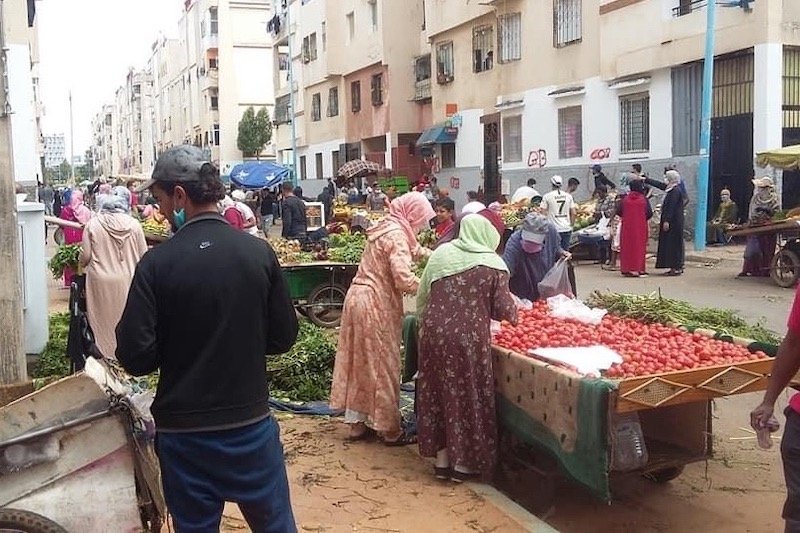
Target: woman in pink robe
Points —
{"points": [[635, 211], [366, 376], [76, 211]]}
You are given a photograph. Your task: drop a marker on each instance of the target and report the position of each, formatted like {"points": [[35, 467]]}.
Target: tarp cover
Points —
{"points": [[258, 174], [786, 158]]}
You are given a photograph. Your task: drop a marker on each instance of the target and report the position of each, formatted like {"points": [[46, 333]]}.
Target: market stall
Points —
{"points": [[784, 267], [648, 413]]}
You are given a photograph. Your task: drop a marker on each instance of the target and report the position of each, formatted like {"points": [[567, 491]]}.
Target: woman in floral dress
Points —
{"points": [[366, 375], [464, 286]]}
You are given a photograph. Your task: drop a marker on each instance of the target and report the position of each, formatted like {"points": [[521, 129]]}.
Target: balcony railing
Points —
{"points": [[211, 41], [685, 7], [210, 80], [422, 90]]}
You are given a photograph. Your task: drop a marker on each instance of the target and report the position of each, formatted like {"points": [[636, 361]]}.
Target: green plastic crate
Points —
{"points": [[303, 280]]}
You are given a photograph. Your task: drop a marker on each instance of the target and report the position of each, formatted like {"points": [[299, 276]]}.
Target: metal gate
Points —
{"points": [[732, 161], [491, 151]]}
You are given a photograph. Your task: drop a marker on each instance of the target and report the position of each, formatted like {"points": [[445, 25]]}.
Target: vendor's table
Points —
{"points": [[318, 289], [571, 417]]}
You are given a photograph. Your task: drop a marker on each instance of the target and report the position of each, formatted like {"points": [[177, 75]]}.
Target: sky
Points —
{"points": [[87, 46]]}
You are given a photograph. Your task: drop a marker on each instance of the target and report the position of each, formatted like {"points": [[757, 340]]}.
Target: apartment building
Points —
{"points": [[609, 82], [21, 50], [54, 150], [357, 91], [103, 141], [196, 86]]}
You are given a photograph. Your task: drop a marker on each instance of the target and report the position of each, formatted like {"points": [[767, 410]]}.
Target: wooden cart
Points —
{"points": [[318, 289], [547, 408], [785, 265]]}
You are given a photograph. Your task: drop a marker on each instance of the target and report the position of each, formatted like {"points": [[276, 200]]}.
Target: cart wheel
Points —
{"points": [[58, 236], [664, 475], [19, 521], [325, 304], [785, 268]]}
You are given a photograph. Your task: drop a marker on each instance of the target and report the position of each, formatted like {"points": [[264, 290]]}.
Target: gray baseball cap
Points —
{"points": [[177, 165]]}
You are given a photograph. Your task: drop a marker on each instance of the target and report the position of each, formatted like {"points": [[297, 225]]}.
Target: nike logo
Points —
{"points": [[204, 245]]}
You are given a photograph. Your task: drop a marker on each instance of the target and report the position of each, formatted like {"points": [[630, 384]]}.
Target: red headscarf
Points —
{"points": [[495, 219]]}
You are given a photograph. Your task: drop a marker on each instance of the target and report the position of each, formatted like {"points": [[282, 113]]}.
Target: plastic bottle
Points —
{"points": [[763, 433], [629, 450]]}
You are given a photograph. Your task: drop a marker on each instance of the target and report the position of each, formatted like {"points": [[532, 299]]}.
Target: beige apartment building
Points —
{"points": [[542, 87], [355, 84], [103, 141]]}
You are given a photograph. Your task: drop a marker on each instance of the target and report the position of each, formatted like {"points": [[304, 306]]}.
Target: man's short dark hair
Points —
{"points": [[206, 190], [446, 203], [472, 195], [637, 167], [573, 181], [287, 187], [531, 182]]}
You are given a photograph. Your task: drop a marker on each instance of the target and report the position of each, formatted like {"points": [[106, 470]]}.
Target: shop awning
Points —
{"points": [[258, 174], [438, 134], [786, 158]]}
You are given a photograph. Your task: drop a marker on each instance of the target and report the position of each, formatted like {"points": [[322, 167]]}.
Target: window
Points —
{"points": [[282, 110], [303, 171], [335, 160], [310, 48], [634, 118], [214, 103], [319, 165], [445, 68], [373, 14], [324, 34], [213, 63], [355, 96], [448, 155], [216, 134], [482, 48], [422, 68], [570, 132], [333, 102], [214, 18], [316, 105], [509, 34], [376, 88], [351, 26], [566, 22], [512, 139]]}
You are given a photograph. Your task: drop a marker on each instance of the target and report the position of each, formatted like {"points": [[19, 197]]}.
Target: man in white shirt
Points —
{"points": [[560, 209], [525, 193], [474, 205], [250, 222]]}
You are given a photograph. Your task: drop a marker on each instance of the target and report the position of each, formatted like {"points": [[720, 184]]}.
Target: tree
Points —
{"points": [[64, 170], [255, 131], [88, 164]]}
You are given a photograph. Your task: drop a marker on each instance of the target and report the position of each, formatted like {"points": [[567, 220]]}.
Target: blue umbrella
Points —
{"points": [[258, 174]]}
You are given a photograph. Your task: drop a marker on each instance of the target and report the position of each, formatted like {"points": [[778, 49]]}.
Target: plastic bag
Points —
{"points": [[603, 228], [556, 281], [562, 306]]}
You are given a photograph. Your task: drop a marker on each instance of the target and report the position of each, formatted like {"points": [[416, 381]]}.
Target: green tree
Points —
{"points": [[255, 131], [64, 170], [88, 165]]}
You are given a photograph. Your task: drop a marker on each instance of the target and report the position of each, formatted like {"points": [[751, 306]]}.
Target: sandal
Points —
{"points": [[367, 434], [610, 268], [461, 477], [402, 440], [442, 472]]}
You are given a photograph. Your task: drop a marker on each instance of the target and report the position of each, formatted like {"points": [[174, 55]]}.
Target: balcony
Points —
{"points": [[210, 80], [422, 90], [210, 42]]}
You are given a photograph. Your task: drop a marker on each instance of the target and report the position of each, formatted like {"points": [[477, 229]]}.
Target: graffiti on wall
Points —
{"points": [[537, 158], [599, 154]]}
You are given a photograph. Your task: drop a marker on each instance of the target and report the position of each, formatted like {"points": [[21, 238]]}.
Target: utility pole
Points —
{"points": [[701, 212], [71, 141], [292, 113], [14, 381]]}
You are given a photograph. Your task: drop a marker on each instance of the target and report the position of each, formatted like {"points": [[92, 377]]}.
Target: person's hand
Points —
{"points": [[761, 415], [566, 255], [666, 226]]}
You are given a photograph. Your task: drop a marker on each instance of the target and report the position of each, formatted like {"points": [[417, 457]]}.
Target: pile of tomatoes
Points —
{"points": [[646, 349]]}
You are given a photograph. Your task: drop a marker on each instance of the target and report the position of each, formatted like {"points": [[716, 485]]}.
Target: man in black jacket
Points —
{"points": [[205, 308], [295, 224]]}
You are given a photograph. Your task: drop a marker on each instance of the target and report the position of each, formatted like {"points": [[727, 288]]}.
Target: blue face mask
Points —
{"points": [[178, 219]]}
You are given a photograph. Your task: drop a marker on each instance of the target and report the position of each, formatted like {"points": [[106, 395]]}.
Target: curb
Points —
{"points": [[529, 522]]}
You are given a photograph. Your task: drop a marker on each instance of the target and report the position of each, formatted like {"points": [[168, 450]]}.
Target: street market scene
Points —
{"points": [[494, 295]]}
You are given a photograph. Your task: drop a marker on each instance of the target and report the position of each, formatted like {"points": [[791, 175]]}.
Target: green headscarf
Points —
{"points": [[476, 244]]}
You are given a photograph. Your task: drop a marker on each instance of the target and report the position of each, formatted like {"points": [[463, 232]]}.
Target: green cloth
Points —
{"points": [[476, 244], [786, 158]]}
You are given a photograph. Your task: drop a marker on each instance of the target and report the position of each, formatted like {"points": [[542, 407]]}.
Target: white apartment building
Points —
{"points": [[131, 140], [103, 141], [55, 151]]}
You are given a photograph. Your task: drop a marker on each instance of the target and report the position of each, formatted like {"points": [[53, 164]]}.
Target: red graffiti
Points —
{"points": [[455, 183], [600, 153], [537, 158]]}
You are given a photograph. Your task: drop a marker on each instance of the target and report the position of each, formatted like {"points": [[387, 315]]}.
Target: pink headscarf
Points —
{"points": [[413, 213], [82, 213]]}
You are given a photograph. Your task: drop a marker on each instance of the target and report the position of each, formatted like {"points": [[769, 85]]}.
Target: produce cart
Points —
{"points": [[318, 289], [785, 265]]}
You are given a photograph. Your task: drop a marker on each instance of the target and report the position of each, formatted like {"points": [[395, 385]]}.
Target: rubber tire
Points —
{"points": [[665, 475], [791, 260], [28, 522], [321, 293], [58, 236]]}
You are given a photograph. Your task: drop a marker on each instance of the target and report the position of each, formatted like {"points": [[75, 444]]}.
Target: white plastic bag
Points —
{"points": [[562, 306], [603, 229], [556, 281]]}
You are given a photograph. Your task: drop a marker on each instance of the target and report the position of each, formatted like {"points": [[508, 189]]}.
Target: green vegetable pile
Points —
{"points": [[304, 373], [66, 256], [655, 308], [427, 238], [53, 361], [346, 247]]}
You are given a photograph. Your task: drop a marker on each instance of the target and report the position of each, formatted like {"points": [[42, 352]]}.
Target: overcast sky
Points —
{"points": [[87, 46]]}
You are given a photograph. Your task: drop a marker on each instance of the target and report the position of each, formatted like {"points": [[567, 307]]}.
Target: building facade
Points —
{"points": [[103, 141], [55, 151]]}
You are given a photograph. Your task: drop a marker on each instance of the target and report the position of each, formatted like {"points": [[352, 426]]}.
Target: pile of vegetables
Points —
{"points": [[290, 252], [646, 349], [346, 247], [654, 308], [66, 256], [53, 362], [151, 227], [305, 372], [427, 238]]}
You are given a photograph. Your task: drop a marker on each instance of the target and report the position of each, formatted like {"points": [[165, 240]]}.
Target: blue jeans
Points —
{"points": [[266, 223], [565, 238], [202, 470]]}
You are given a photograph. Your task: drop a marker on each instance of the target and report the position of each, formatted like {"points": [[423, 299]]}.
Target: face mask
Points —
{"points": [[178, 218]]}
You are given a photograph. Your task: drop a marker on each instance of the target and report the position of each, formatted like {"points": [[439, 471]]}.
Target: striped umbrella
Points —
{"points": [[359, 168]]}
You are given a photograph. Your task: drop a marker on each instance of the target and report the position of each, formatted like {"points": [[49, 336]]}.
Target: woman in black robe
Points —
{"points": [[670, 234]]}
